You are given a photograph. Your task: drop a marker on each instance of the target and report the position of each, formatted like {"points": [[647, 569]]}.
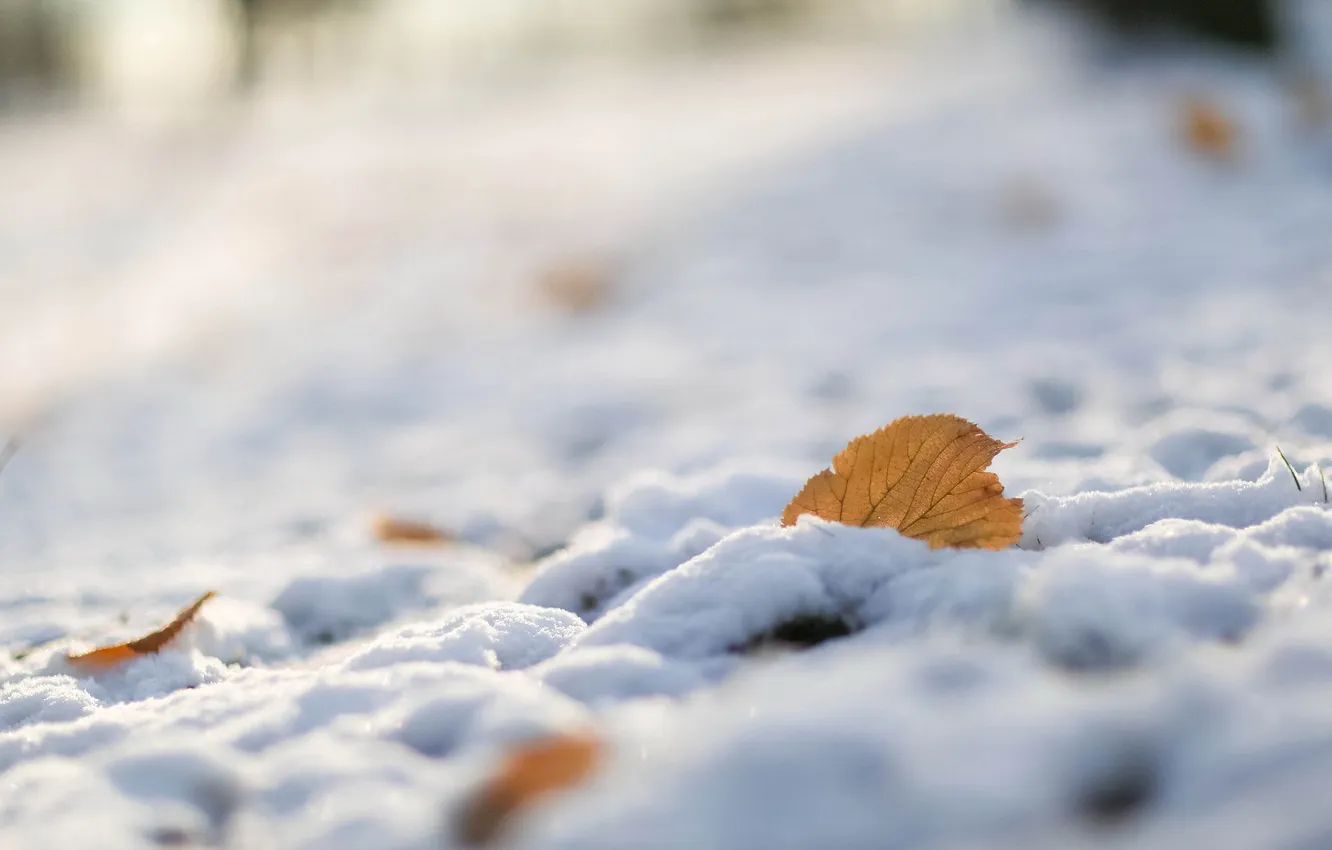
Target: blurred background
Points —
{"points": [[173, 165], [265, 263], [320, 129], [156, 55]]}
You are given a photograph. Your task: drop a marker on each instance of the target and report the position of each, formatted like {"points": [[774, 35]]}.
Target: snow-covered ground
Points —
{"points": [[228, 346]]}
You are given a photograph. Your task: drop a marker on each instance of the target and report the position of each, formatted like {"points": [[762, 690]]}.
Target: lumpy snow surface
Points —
{"points": [[1151, 666]]}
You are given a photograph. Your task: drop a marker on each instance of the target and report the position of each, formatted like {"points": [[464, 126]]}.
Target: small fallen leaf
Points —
{"points": [[1207, 129], [528, 773], [923, 475], [106, 657], [389, 529], [579, 285]]}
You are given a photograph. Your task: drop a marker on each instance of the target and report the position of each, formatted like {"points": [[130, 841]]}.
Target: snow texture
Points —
{"points": [[1151, 667], [654, 522]]}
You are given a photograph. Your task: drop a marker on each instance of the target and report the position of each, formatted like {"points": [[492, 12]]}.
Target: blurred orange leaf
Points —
{"points": [[923, 475], [389, 529], [579, 285], [530, 772], [106, 657], [1208, 129]]}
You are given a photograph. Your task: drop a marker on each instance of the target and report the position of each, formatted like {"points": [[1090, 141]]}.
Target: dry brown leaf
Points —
{"points": [[1208, 130], [389, 529], [106, 657], [528, 773], [923, 475], [579, 285]]}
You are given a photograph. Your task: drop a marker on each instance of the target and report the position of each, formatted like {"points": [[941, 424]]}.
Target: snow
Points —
{"points": [[327, 609], [654, 522], [1151, 666], [501, 636], [600, 674], [1102, 517]]}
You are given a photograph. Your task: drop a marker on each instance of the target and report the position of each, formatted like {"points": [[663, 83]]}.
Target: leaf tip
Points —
{"points": [[106, 657]]}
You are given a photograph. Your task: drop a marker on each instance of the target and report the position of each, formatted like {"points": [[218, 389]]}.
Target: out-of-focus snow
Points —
{"points": [[324, 609], [1151, 666]]}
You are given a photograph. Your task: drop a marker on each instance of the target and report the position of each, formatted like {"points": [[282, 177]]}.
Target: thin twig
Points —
{"points": [[1323, 479], [1296, 478]]}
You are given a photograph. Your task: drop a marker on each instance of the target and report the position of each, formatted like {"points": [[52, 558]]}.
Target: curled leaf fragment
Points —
{"points": [[106, 657]]}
